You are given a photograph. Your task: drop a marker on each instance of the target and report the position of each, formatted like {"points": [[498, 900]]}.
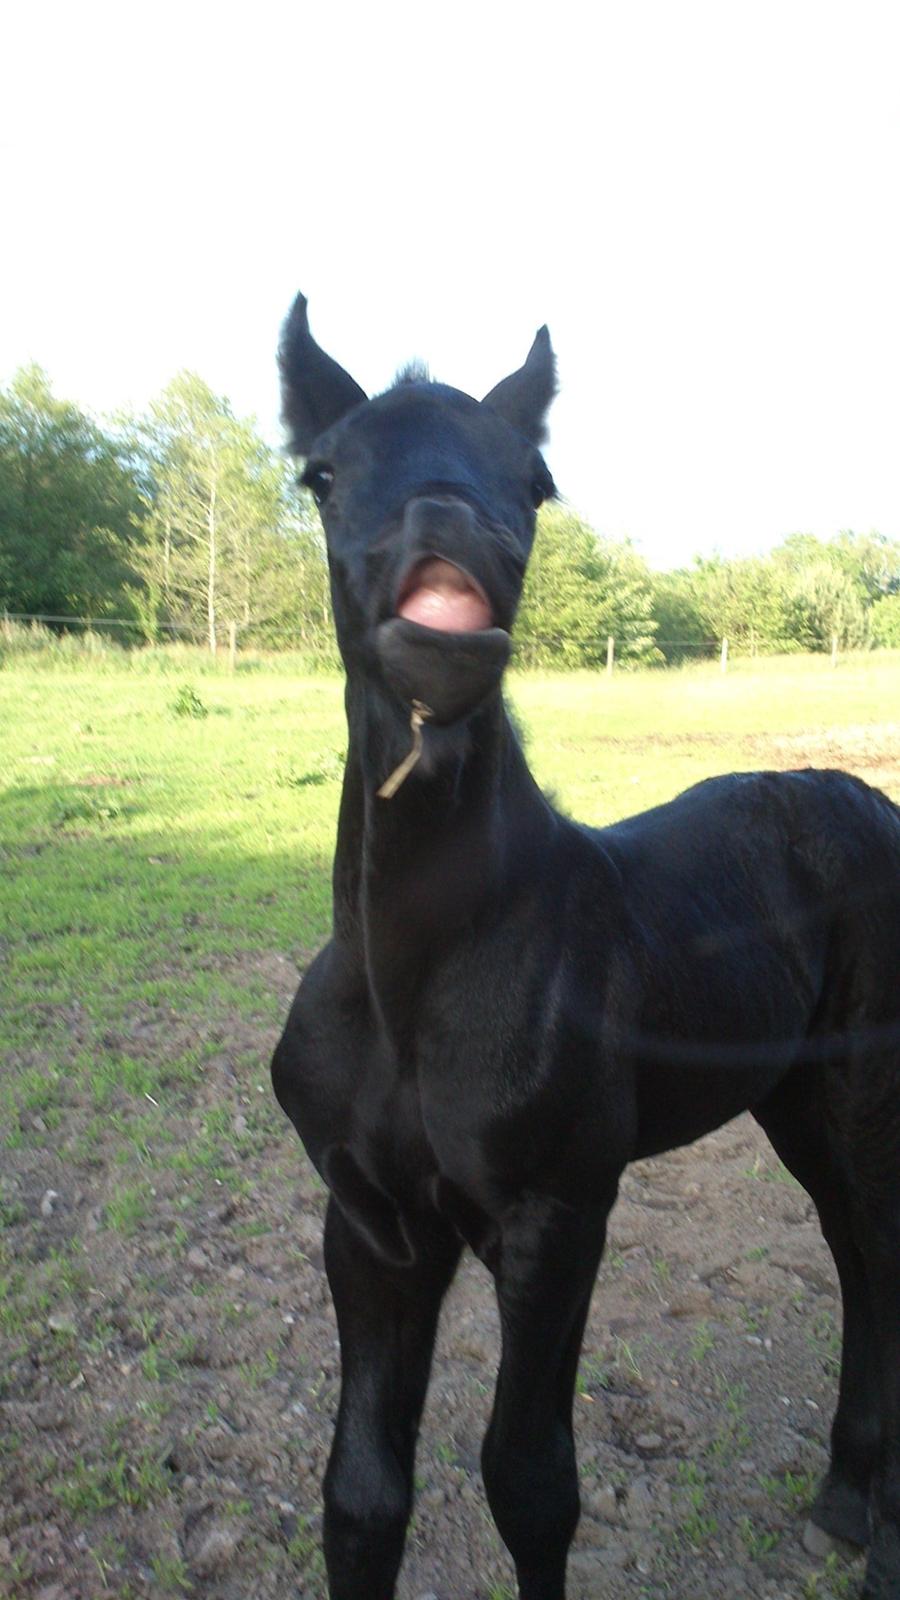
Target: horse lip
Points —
{"points": [[407, 580]]}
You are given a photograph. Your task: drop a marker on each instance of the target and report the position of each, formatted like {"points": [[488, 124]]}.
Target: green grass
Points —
{"points": [[164, 876], [154, 859], [155, 862]]}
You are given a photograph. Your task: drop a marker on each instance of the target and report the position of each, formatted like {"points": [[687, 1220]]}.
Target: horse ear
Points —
{"points": [[524, 397], [315, 391]]}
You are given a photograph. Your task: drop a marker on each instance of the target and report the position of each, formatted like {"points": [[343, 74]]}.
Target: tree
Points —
{"points": [[822, 597], [579, 589], [871, 561], [69, 505], [226, 542]]}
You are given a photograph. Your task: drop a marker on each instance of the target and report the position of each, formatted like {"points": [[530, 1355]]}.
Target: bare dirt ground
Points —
{"points": [[167, 1404]]}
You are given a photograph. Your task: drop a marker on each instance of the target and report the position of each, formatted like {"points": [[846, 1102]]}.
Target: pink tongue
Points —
{"points": [[443, 597]]}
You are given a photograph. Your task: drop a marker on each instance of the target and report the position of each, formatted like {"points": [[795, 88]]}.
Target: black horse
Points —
{"points": [[512, 1006]]}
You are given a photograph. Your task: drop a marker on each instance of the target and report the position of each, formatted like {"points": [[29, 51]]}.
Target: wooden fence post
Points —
{"points": [[834, 649], [610, 655], [232, 645], [724, 661]]}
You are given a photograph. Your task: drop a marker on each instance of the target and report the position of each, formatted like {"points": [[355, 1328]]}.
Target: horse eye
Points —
{"points": [[318, 480], [539, 492]]}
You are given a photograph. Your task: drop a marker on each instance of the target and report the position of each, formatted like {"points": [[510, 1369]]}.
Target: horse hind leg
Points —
{"points": [[793, 1118], [876, 1172]]}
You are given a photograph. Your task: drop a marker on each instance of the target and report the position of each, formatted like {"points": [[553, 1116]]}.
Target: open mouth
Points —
{"points": [[436, 594]]}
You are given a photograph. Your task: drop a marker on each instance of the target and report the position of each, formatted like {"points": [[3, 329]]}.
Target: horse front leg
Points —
{"points": [[546, 1263], [387, 1319]]}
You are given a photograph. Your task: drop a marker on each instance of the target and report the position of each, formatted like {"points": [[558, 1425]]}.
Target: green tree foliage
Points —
{"points": [[682, 631], [820, 600], [870, 560], [225, 542], [885, 621], [697, 607], [579, 590], [69, 505], [186, 520], [802, 596]]}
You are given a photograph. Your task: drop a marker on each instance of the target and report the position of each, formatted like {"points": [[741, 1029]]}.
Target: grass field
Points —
{"points": [[165, 856]]}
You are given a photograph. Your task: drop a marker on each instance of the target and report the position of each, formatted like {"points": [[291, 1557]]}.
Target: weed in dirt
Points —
{"points": [[696, 1526], [255, 1374], [625, 1355], [108, 1556], [662, 1274], [834, 1582], [824, 1337], [755, 1318], [800, 1489], [594, 1374], [702, 1342], [14, 1574], [128, 1208], [156, 1366], [765, 1171], [304, 1550], [758, 1542], [170, 1573], [12, 1212], [133, 1479], [797, 1490], [732, 1437]]}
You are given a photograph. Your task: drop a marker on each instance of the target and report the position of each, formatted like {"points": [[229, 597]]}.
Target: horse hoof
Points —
{"points": [[818, 1543]]}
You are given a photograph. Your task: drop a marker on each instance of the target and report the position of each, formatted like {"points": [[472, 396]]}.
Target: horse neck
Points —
{"points": [[463, 823]]}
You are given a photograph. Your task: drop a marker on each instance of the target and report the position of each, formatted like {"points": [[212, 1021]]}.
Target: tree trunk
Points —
{"points": [[211, 568]]}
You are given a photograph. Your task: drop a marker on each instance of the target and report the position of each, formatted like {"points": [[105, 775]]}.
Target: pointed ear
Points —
{"points": [[524, 397], [315, 391]]}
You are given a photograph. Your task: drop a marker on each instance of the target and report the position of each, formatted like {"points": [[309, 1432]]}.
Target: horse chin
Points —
{"points": [[450, 673]]}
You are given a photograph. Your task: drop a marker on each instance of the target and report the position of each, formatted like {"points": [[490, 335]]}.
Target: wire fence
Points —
{"points": [[231, 638]]}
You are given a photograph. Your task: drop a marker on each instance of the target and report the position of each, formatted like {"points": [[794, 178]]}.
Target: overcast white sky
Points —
{"points": [[700, 199]]}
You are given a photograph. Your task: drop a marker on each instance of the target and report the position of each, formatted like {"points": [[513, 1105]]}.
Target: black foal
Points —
{"points": [[512, 1007]]}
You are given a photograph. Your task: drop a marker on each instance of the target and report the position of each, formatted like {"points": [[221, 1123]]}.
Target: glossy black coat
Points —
{"points": [[512, 1007]]}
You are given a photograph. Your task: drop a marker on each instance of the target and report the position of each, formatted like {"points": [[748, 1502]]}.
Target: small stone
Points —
{"points": [[818, 1543], [216, 1550], [197, 1259], [239, 1124], [650, 1444], [58, 1322], [602, 1503], [235, 1273], [693, 1303], [49, 1203], [641, 1508]]}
